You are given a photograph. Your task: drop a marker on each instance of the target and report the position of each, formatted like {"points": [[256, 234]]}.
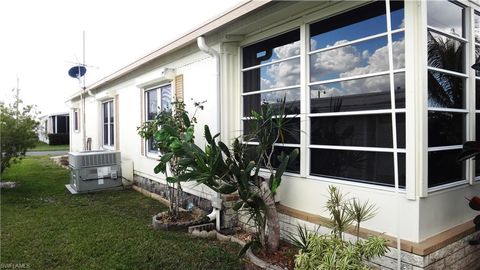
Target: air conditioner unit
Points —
{"points": [[94, 170]]}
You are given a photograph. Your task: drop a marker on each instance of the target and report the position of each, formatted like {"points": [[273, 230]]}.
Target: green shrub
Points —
{"points": [[331, 252]]}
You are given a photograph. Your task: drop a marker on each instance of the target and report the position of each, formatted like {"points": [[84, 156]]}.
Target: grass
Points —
{"points": [[44, 227], [41, 146]]}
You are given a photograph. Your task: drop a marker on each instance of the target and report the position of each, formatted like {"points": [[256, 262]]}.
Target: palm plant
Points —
{"points": [[445, 90]]}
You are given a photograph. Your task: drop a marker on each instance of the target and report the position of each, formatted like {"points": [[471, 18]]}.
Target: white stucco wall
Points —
{"points": [[199, 74]]}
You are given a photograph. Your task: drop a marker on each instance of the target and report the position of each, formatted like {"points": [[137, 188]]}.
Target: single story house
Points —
{"points": [[381, 93], [54, 123]]}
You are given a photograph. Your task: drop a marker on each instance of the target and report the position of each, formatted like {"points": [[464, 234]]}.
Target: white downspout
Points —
{"points": [[210, 51]]}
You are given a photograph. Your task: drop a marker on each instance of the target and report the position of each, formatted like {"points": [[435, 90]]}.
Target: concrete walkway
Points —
{"points": [[47, 153]]}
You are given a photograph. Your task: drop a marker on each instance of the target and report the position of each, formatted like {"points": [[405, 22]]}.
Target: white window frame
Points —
{"points": [[470, 111], [110, 110], [158, 89], [303, 25]]}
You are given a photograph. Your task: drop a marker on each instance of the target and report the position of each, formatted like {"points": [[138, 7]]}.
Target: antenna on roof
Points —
{"points": [[79, 72]]}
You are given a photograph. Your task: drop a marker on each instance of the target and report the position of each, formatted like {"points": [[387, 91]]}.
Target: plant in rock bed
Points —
{"points": [[169, 130], [239, 170], [471, 149], [332, 251]]}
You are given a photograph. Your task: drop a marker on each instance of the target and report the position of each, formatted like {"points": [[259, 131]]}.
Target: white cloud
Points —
{"points": [[282, 74], [336, 60], [288, 50]]}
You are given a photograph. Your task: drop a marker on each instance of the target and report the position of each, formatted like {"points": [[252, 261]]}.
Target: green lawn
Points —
{"points": [[46, 228], [41, 146]]}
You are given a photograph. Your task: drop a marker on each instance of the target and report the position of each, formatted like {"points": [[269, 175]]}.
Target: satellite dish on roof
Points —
{"points": [[77, 72]]}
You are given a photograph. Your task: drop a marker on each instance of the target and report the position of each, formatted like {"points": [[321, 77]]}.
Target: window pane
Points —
{"points": [[352, 95], [254, 102], [477, 94], [358, 166], [112, 133], [279, 47], [277, 75], [400, 118], [357, 59], [401, 170], [477, 58], [443, 167], [477, 28], [151, 145], [397, 14], [291, 131], [361, 22], [293, 166], [353, 130], [75, 120], [445, 91], [445, 128], [477, 135], [399, 84], [450, 22], [105, 134], [110, 107], [398, 47], [166, 96], [151, 104], [445, 53], [105, 113]]}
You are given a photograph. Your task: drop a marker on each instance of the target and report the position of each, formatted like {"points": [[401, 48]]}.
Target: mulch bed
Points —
{"points": [[284, 257]]}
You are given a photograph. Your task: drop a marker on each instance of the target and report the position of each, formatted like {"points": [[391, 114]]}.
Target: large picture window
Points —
{"points": [[357, 93], [354, 95], [156, 99], [447, 79], [108, 122]]}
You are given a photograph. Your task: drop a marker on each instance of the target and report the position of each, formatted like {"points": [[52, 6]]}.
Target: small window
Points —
{"points": [[108, 121], [156, 99], [76, 124]]}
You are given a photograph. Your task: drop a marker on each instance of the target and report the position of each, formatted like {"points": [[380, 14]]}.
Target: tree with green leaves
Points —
{"points": [[18, 131], [169, 131]]}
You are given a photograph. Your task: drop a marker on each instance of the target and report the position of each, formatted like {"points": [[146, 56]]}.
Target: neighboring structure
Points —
{"points": [[53, 124], [382, 95]]}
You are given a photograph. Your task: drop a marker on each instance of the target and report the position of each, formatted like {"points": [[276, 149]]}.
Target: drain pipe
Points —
{"points": [[202, 45]]}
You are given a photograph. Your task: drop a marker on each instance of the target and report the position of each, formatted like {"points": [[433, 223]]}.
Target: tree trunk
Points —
{"points": [[273, 223]]}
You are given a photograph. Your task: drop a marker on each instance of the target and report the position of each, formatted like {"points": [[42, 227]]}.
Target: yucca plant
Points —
{"points": [[331, 251]]}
